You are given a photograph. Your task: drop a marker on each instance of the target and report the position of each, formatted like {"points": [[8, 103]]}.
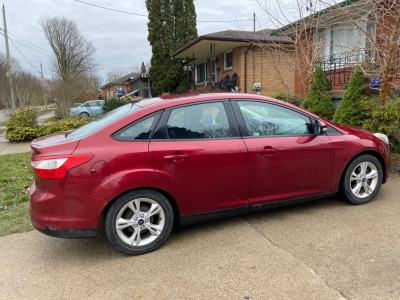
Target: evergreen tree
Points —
{"points": [[172, 24], [318, 101], [143, 68], [349, 110]]}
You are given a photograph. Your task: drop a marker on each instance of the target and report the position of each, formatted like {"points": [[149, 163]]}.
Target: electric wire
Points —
{"points": [[142, 15], [36, 70]]}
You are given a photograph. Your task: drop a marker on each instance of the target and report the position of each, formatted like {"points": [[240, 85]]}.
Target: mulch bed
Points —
{"points": [[395, 162]]}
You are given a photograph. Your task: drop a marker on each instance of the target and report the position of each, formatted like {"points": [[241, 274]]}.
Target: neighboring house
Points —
{"points": [[251, 55], [341, 43], [133, 84]]}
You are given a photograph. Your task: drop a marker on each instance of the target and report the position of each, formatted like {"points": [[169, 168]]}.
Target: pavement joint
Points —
{"points": [[322, 278]]}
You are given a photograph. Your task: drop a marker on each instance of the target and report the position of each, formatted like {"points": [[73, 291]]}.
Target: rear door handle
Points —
{"points": [[267, 151], [176, 158]]}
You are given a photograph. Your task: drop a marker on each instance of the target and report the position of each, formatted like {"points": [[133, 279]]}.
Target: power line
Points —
{"points": [[21, 53], [28, 43], [141, 15]]}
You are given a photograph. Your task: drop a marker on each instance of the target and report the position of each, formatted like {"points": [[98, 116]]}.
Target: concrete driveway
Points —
{"points": [[325, 249]]}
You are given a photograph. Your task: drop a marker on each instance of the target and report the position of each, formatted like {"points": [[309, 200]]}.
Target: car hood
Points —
{"points": [[351, 129]]}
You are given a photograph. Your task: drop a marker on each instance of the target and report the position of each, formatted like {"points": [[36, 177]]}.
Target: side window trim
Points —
{"points": [[242, 124], [157, 115], [160, 133]]}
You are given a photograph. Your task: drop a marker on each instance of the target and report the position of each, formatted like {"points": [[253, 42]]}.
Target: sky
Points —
{"points": [[120, 39]]}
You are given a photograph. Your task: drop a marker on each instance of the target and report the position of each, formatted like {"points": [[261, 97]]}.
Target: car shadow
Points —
{"points": [[95, 249]]}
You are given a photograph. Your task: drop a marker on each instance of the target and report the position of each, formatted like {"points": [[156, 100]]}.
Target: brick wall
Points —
{"points": [[268, 64]]}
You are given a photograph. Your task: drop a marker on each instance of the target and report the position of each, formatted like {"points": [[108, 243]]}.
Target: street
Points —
{"points": [[326, 249]]}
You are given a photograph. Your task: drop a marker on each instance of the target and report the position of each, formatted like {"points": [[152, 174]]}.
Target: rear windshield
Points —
{"points": [[101, 122]]}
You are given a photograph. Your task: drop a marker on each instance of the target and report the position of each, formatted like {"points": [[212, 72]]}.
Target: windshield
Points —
{"points": [[102, 122]]}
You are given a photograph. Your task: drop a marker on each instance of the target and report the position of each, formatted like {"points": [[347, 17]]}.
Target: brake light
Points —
{"points": [[57, 167]]}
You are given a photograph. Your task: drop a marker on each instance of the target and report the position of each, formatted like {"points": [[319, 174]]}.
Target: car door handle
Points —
{"points": [[177, 158], [267, 151]]}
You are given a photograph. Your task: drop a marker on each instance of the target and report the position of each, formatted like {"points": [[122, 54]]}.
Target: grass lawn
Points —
{"points": [[16, 176]]}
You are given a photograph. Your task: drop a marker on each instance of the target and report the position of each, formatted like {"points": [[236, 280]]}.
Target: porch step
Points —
{"points": [[338, 94]]}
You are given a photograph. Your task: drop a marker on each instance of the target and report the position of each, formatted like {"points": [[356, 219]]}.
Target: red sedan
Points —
{"points": [[148, 166]]}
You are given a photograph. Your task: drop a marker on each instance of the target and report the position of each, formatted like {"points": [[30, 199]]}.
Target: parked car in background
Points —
{"points": [[88, 109], [148, 166]]}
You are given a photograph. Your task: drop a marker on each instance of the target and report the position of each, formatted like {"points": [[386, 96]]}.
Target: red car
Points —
{"points": [[148, 166]]}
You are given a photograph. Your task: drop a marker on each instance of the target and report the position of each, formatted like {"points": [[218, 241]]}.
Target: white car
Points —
{"points": [[92, 108]]}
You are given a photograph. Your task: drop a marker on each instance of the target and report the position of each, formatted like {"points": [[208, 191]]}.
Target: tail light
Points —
{"points": [[57, 167]]}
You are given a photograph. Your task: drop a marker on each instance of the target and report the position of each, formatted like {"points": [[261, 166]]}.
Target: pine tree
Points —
{"points": [[143, 68], [172, 24], [349, 110], [318, 101]]}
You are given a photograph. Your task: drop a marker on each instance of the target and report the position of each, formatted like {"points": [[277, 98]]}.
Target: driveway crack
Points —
{"points": [[343, 296]]}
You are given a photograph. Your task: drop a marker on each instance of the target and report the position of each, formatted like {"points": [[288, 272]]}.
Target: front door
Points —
{"points": [[197, 151], [287, 160]]}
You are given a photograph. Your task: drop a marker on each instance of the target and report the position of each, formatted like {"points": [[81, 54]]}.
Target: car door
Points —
{"points": [[197, 150], [94, 108], [287, 159]]}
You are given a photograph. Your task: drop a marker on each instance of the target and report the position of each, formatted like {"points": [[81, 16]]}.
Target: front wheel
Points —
{"points": [[362, 179], [139, 222]]}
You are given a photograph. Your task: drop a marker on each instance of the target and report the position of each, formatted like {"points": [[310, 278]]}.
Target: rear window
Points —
{"points": [[102, 122]]}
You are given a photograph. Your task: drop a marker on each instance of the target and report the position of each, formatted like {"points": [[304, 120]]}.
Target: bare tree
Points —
{"points": [[72, 61], [383, 38], [121, 72], [73, 54], [303, 57], [28, 88]]}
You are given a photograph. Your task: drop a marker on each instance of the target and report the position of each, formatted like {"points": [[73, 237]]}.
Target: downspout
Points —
{"points": [[245, 69]]}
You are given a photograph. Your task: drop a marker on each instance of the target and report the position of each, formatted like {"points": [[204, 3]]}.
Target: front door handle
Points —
{"points": [[267, 151], [176, 158]]}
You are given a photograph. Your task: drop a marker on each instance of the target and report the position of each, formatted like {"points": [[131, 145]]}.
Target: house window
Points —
{"points": [[201, 72], [228, 60], [345, 41]]}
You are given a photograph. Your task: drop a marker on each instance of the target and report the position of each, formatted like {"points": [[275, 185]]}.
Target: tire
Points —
{"points": [[138, 234], [362, 179], [84, 115]]}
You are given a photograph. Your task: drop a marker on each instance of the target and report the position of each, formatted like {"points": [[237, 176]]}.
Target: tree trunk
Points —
{"points": [[390, 62]]}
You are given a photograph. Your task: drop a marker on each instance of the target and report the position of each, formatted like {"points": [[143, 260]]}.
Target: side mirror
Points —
{"points": [[322, 127]]}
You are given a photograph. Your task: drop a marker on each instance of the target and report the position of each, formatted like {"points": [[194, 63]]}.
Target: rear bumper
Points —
{"points": [[57, 214], [65, 233]]}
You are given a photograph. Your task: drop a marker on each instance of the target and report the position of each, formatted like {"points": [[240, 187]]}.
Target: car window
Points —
{"points": [[200, 121], [93, 104], [102, 121], [140, 130], [265, 119]]}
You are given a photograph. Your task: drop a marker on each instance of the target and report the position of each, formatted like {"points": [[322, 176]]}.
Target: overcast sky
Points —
{"points": [[120, 39]]}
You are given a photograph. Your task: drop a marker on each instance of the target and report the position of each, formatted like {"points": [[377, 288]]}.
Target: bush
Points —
{"points": [[22, 125], [382, 117], [113, 103], [349, 110], [318, 101], [292, 99]]}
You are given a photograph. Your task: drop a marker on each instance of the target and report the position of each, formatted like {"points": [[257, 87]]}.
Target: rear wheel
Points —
{"points": [[362, 179], [84, 115], [139, 222]]}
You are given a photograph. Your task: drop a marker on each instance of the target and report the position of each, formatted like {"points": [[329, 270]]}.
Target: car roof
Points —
{"points": [[172, 100]]}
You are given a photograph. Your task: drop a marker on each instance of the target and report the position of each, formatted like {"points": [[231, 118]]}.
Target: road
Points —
{"points": [[326, 249]]}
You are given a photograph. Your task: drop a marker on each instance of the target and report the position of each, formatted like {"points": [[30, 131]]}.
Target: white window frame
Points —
{"points": [[225, 67], [205, 72]]}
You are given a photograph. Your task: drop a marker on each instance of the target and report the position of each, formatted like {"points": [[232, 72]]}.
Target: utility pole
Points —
{"points": [[44, 94], [8, 61]]}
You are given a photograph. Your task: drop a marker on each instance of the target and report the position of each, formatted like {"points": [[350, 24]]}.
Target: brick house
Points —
{"points": [[341, 43], [133, 84], [251, 55]]}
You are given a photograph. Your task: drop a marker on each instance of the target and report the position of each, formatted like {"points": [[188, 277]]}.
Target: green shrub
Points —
{"points": [[25, 117], [22, 125], [349, 110], [292, 99], [113, 103], [318, 101], [382, 117]]}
